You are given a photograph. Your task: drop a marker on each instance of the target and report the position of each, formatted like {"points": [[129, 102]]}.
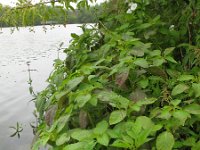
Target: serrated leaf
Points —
{"points": [[117, 116], [141, 62], [165, 141], [180, 88]]}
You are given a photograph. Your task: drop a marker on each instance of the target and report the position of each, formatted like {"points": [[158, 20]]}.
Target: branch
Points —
{"points": [[35, 5]]}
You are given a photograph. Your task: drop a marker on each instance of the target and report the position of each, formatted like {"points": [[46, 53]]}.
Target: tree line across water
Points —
{"points": [[57, 16]]}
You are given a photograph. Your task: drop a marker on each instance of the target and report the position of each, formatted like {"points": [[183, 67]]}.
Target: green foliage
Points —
{"points": [[27, 14], [130, 82]]}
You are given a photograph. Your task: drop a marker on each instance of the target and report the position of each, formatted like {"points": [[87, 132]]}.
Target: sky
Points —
{"points": [[12, 2]]}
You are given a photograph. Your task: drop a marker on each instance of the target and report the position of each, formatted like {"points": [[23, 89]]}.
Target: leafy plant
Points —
{"points": [[18, 129], [131, 81]]}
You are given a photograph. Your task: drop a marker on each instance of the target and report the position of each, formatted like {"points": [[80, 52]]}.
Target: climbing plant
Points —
{"points": [[131, 81]]}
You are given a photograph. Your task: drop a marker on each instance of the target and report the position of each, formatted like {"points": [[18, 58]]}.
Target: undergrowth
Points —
{"points": [[132, 81]]}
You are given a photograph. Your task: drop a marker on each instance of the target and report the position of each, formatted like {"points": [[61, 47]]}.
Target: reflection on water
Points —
{"points": [[15, 50]]}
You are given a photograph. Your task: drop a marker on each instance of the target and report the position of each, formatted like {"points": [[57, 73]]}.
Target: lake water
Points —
{"points": [[16, 50]]}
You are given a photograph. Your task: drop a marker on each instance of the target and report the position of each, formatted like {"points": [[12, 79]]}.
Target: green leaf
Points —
{"points": [[165, 141], [185, 78], [181, 116], [170, 59], [103, 139], [82, 99], [114, 99], [180, 88], [193, 109], [117, 116], [101, 127], [89, 145], [155, 53], [74, 82], [158, 61], [143, 83], [196, 89], [82, 135], [62, 139], [62, 122], [196, 146], [121, 144], [93, 101], [141, 62], [168, 51], [76, 146], [144, 122]]}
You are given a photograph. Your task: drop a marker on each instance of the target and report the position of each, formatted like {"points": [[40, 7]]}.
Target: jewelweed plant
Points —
{"points": [[130, 82]]}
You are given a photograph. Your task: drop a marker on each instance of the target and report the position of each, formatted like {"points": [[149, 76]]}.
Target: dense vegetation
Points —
{"points": [[53, 15], [130, 82]]}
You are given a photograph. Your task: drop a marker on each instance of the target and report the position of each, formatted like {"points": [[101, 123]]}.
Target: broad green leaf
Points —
{"points": [[62, 139], [112, 133], [103, 139], [175, 102], [114, 99], [82, 99], [196, 89], [121, 144], [74, 82], [117, 116], [191, 141], [62, 122], [180, 88], [76, 146], [193, 109], [82, 135], [93, 101], [165, 113], [155, 53], [141, 62], [144, 122], [196, 146], [181, 116], [60, 95], [101, 127], [143, 83], [165, 141], [158, 61], [89, 145], [185, 78]]}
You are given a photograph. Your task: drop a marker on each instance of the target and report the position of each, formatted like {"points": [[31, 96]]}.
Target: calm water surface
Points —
{"points": [[15, 50]]}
